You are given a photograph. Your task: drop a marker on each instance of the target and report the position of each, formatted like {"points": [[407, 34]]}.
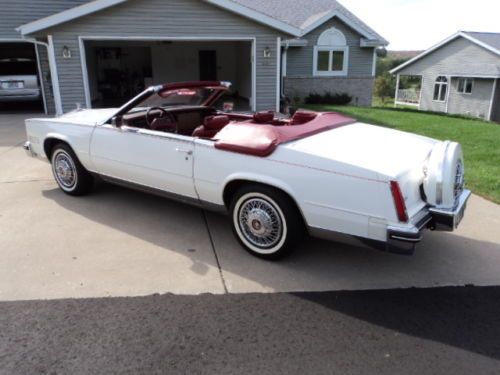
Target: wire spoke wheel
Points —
{"points": [[260, 223], [70, 175], [65, 170]]}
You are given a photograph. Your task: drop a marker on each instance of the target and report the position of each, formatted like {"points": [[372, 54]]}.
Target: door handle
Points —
{"points": [[188, 152], [129, 130]]}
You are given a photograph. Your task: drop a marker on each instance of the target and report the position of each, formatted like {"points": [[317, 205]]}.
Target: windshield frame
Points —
{"points": [[219, 88]]}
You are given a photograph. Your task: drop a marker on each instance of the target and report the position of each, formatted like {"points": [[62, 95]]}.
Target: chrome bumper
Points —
{"points": [[448, 219], [28, 149], [403, 241]]}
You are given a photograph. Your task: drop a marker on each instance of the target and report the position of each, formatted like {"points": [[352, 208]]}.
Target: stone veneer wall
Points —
{"points": [[360, 88]]}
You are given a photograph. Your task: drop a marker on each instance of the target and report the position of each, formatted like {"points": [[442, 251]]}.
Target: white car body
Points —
{"points": [[340, 179]]}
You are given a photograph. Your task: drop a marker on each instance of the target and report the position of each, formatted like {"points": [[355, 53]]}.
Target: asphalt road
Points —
{"points": [[454, 330]]}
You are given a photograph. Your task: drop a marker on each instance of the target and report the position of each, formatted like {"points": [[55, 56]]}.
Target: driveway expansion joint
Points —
{"points": [[204, 213]]}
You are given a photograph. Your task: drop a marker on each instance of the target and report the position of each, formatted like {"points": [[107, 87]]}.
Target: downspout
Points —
{"points": [[53, 70]]}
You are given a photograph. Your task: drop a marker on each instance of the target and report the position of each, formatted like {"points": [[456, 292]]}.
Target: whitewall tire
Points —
{"points": [[70, 175], [265, 221]]}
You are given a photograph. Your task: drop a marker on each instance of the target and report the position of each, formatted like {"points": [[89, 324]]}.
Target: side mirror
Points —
{"points": [[116, 121]]}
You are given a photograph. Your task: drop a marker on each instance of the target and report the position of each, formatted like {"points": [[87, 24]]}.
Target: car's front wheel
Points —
{"points": [[69, 173], [266, 221]]}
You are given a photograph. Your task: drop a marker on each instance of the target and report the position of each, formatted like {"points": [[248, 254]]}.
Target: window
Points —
{"points": [[331, 54], [440, 89], [465, 85]]}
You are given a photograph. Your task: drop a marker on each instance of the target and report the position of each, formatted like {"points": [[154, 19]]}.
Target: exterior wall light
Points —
{"points": [[66, 52], [267, 52]]}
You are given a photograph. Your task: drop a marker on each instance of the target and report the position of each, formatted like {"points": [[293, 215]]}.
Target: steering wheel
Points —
{"points": [[164, 113]]}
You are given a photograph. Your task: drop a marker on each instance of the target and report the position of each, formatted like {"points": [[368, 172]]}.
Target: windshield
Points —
{"points": [[177, 97], [19, 67]]}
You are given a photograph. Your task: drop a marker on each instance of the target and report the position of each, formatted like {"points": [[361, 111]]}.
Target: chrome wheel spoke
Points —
{"points": [[260, 223], [64, 170]]}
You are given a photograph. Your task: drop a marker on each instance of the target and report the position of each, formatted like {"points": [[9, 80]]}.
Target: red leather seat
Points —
{"points": [[163, 124], [263, 117], [211, 126], [301, 117]]}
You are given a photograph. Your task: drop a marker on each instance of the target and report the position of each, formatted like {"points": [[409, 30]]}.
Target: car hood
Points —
{"points": [[87, 116], [388, 152]]}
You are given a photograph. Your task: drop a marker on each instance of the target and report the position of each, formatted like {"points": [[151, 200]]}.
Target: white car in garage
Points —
{"points": [[277, 178]]}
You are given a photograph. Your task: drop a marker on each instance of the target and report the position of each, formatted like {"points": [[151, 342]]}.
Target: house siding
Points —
{"points": [[300, 59], [449, 60], [15, 13], [163, 19], [476, 104], [358, 83]]}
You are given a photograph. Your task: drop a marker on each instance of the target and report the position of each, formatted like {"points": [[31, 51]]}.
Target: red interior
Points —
{"points": [[262, 139], [211, 126]]}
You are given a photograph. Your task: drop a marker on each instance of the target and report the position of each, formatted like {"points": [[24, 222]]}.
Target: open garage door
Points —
{"points": [[20, 86], [117, 70]]}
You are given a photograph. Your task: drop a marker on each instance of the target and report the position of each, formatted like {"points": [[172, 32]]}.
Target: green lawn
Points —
{"points": [[480, 140]]}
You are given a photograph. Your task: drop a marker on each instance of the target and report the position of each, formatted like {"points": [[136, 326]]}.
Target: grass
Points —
{"points": [[480, 139]]}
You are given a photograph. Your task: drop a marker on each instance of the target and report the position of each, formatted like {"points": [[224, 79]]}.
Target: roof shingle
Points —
{"points": [[304, 13], [491, 39]]}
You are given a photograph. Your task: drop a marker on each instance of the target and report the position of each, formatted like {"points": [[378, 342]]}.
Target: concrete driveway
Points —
{"points": [[117, 242]]}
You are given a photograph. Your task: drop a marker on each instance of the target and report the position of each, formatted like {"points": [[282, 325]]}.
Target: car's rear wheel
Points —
{"points": [[266, 221], [69, 173]]}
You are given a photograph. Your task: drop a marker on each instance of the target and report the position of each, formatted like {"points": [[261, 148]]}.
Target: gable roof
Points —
{"points": [[489, 41], [293, 17], [306, 15]]}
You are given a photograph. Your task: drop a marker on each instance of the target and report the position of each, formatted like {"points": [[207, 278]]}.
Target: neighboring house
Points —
{"points": [[98, 53], [460, 75]]}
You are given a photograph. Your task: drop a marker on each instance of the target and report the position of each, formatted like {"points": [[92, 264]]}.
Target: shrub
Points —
{"points": [[328, 98]]}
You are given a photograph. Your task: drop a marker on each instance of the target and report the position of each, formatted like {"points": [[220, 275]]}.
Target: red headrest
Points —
{"points": [[263, 117], [301, 117], [215, 122]]}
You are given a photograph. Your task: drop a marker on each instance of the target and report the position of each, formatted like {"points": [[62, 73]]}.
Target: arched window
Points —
{"points": [[440, 88], [331, 54]]}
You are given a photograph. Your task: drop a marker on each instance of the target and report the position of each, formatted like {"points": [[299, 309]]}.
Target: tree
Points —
{"points": [[384, 87]]}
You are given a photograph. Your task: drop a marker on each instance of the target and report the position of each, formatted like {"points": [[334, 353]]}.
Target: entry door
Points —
{"points": [[208, 65], [155, 159]]}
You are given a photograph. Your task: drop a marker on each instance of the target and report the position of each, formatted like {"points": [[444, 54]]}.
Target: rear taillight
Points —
{"points": [[399, 202]]}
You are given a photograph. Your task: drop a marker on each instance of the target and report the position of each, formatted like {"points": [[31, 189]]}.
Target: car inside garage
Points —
{"points": [[117, 70], [19, 80]]}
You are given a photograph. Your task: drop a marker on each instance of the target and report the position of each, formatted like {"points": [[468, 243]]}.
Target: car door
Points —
{"points": [[150, 158]]}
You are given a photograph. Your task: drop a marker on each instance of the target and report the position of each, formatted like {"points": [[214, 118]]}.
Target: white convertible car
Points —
{"points": [[316, 173]]}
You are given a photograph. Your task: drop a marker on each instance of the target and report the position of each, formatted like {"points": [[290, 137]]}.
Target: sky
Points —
{"points": [[419, 24]]}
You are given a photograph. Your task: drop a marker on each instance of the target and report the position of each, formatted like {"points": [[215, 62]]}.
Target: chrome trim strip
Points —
{"points": [[406, 239], [165, 194]]}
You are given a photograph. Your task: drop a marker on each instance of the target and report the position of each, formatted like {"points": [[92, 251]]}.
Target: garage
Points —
{"points": [[118, 69], [19, 79]]}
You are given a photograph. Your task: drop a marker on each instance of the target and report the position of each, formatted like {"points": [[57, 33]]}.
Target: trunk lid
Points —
{"points": [[390, 153]]}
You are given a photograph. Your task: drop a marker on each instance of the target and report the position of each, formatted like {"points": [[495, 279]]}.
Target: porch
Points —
{"points": [[408, 90]]}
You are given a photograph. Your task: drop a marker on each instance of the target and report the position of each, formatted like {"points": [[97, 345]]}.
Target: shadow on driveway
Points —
{"points": [[442, 259]]}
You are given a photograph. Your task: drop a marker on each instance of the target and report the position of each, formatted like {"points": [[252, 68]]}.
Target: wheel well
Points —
{"points": [[233, 186], [49, 144]]}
